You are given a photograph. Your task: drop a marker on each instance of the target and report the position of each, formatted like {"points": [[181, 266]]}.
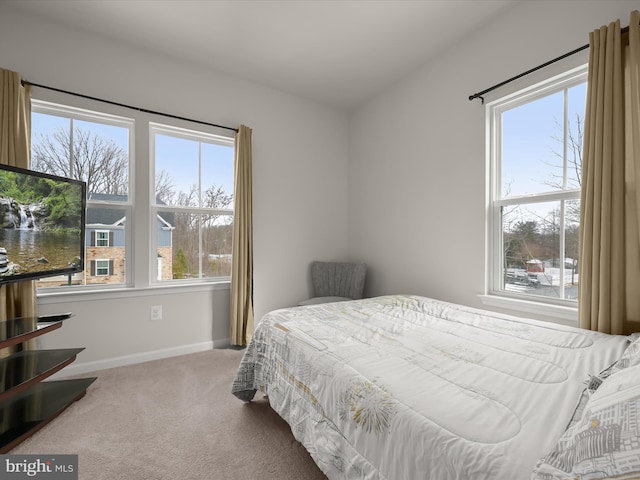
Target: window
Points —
{"points": [[192, 208], [184, 217], [93, 147], [102, 238], [101, 267], [534, 198]]}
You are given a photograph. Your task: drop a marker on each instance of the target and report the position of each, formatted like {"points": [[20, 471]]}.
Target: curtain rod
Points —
{"points": [[557, 59], [143, 110]]}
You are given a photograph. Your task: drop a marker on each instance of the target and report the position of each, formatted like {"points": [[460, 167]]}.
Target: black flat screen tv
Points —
{"points": [[42, 222]]}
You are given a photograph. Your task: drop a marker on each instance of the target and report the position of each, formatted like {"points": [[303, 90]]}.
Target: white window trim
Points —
{"points": [[102, 238], [558, 313], [138, 281], [66, 106], [108, 270], [564, 311], [63, 110], [155, 210]]}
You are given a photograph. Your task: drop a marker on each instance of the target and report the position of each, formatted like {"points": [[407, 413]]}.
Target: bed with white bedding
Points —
{"points": [[404, 387]]}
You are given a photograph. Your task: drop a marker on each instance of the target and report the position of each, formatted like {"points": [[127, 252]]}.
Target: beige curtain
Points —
{"points": [[16, 299], [609, 292], [241, 329]]}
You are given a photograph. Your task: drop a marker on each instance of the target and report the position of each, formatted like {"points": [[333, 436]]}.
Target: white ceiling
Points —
{"points": [[339, 52]]}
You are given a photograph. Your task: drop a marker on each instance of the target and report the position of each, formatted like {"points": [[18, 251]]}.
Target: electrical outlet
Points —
{"points": [[156, 312]]}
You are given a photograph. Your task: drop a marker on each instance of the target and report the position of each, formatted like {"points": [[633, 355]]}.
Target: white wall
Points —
{"points": [[300, 184], [417, 152]]}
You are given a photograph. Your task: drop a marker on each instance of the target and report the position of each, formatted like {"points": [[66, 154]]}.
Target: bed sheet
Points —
{"points": [[403, 387]]}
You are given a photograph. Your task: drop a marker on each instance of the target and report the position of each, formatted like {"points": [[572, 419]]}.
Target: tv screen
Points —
{"points": [[41, 224]]}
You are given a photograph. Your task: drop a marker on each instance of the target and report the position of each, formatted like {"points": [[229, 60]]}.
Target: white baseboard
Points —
{"points": [[82, 368]]}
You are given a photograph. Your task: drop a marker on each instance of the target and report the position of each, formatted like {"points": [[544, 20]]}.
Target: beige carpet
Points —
{"points": [[174, 419]]}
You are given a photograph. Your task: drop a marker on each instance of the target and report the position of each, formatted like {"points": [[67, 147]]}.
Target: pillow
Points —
{"points": [[630, 357], [605, 442]]}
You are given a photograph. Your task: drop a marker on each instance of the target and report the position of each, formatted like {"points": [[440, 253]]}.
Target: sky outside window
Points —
{"points": [[179, 158], [532, 143]]}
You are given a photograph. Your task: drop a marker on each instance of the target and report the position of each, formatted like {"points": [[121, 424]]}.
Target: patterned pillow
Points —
{"points": [[631, 355], [605, 442], [629, 358]]}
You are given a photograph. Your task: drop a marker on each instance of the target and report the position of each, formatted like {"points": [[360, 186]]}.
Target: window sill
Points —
{"points": [[554, 313], [124, 292]]}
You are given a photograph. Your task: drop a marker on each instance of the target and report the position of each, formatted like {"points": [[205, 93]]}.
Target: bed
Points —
{"points": [[404, 387]]}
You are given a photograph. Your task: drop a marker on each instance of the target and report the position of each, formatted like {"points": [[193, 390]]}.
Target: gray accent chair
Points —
{"points": [[336, 282]]}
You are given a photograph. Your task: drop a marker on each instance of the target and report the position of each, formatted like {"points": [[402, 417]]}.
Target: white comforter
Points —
{"points": [[405, 387]]}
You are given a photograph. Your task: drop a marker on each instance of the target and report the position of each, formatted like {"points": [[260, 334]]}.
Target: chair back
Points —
{"points": [[338, 279]]}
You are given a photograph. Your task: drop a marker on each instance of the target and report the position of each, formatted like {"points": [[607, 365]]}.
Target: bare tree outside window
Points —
{"points": [[575, 137], [165, 187], [83, 155], [215, 229]]}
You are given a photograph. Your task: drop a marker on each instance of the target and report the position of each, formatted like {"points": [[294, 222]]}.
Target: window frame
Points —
{"points": [[138, 233], [495, 295], [98, 260], [64, 107], [100, 238], [155, 208]]}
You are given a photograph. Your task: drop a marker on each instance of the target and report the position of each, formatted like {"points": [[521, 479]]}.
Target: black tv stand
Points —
{"points": [[54, 317], [27, 403]]}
